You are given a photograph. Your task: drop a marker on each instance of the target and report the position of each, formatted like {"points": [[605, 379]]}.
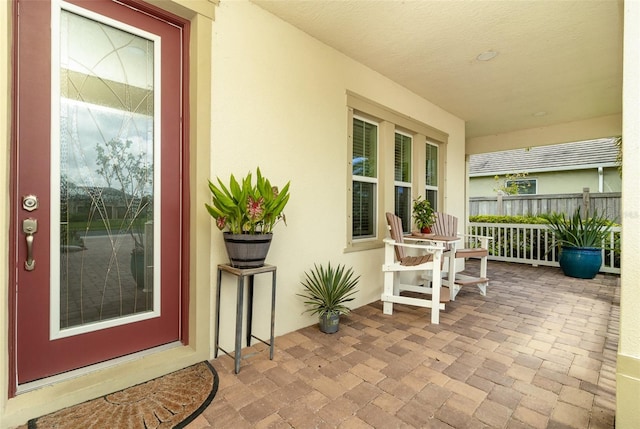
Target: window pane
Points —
{"points": [[525, 186], [402, 208], [365, 148], [432, 165], [432, 197], [403, 158], [106, 174], [364, 199]]}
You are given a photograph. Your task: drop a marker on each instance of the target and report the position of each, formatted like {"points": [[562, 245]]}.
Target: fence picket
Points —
{"points": [[607, 203]]}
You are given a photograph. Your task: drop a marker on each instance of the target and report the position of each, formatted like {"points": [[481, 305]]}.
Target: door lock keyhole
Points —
{"points": [[30, 203]]}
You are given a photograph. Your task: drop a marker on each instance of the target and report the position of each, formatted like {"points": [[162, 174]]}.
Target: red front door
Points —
{"points": [[97, 184]]}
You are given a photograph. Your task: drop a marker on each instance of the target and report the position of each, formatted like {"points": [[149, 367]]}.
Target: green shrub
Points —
{"points": [[507, 219]]}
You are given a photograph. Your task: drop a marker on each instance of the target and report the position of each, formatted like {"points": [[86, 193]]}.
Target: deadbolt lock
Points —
{"points": [[30, 203]]}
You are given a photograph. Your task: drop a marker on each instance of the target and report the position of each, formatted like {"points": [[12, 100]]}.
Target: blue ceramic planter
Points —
{"points": [[580, 262]]}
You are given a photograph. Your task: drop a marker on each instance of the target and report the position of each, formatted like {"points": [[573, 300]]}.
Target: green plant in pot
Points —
{"points": [[327, 290], [581, 242], [247, 213], [423, 214]]}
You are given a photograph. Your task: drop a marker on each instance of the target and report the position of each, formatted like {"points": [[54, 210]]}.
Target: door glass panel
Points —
{"points": [[104, 175]]}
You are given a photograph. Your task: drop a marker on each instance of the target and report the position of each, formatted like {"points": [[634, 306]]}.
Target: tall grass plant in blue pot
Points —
{"points": [[581, 242]]}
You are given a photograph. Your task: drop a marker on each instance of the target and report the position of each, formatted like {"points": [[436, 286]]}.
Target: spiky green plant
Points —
{"points": [[578, 232], [328, 289]]}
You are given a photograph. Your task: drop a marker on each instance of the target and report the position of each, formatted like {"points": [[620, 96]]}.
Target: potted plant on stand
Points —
{"points": [[423, 215], [247, 213], [326, 292], [581, 242]]}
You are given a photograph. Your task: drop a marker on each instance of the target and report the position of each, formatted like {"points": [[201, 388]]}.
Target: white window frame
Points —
{"points": [[366, 179], [402, 184], [433, 188]]}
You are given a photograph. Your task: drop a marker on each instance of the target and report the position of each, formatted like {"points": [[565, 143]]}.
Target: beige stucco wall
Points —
{"points": [[279, 100], [628, 364]]}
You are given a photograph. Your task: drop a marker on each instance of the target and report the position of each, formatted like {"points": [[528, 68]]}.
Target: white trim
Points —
{"points": [[600, 179]]}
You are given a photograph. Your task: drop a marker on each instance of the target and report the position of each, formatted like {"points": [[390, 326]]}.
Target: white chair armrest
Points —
{"points": [[429, 247]]}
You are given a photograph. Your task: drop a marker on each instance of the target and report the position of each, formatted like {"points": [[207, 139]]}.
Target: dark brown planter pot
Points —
{"points": [[247, 250]]}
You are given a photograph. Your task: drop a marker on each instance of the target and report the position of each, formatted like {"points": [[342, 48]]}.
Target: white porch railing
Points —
{"points": [[533, 244]]}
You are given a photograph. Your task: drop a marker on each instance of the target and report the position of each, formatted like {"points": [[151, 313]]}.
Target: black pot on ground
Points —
{"points": [[329, 322], [137, 266], [580, 262], [247, 250]]}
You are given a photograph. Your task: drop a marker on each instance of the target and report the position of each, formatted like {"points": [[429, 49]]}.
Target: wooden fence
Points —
{"points": [[522, 205]]}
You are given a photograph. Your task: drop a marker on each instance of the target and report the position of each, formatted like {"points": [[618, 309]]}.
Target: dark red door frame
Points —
{"points": [[15, 249]]}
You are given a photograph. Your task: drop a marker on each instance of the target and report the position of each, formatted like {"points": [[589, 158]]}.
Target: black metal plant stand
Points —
{"points": [[241, 274]]}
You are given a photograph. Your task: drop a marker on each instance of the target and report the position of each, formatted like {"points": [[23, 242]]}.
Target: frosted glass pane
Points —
{"points": [[106, 172]]}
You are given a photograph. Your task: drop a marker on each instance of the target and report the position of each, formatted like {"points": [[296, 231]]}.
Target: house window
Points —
{"points": [[431, 175], [364, 177], [386, 169], [402, 178], [524, 186]]}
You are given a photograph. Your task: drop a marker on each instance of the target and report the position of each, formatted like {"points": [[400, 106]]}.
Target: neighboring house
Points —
{"points": [[554, 169]]}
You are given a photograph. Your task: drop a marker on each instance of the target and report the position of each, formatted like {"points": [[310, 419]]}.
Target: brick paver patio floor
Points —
{"points": [[537, 352]]}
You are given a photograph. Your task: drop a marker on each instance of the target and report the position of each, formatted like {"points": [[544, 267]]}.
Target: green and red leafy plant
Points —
{"points": [[246, 208]]}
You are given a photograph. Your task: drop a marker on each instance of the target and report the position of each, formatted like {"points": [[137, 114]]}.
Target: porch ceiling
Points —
{"points": [[563, 58]]}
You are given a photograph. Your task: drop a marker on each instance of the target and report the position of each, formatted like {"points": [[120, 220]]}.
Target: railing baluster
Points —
{"points": [[509, 239]]}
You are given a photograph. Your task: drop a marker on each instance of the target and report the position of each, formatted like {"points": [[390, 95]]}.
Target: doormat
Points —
{"points": [[170, 401]]}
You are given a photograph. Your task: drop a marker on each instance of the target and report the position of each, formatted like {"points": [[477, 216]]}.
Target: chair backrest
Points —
{"points": [[445, 224], [395, 229]]}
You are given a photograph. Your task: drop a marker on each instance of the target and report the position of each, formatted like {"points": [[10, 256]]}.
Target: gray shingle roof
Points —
{"points": [[565, 156]]}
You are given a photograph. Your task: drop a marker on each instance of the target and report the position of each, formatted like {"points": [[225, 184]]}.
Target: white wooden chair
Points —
{"points": [[446, 224], [397, 261]]}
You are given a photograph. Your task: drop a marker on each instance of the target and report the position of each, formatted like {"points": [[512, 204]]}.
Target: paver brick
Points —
{"points": [[531, 418], [493, 414], [538, 351], [570, 415]]}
